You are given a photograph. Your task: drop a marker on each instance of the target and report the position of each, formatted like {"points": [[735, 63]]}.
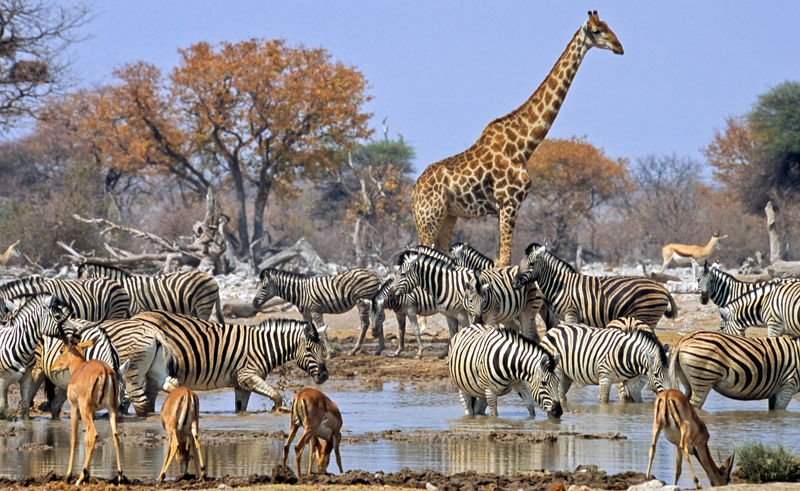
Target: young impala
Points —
{"points": [[179, 416], [685, 429], [321, 420], [685, 254], [92, 386]]}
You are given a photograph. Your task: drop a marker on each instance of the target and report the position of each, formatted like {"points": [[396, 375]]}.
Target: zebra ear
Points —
{"points": [[123, 369], [705, 266], [649, 359], [322, 329], [667, 347]]}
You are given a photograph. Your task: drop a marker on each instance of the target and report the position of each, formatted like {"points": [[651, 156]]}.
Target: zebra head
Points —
{"points": [[377, 316], [476, 298], [267, 287], [705, 282], [544, 386], [46, 313], [407, 276], [311, 353], [527, 271], [730, 324]]}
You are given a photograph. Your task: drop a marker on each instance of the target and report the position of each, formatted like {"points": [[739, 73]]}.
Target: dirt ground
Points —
{"points": [[368, 369]]}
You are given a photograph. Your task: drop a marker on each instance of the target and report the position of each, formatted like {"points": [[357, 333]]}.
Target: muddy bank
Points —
{"points": [[589, 476]]}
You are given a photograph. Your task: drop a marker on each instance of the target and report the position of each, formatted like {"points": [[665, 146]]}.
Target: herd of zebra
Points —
{"points": [[154, 330]]}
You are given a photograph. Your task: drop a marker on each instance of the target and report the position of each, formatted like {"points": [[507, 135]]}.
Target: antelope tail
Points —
{"points": [[184, 407]]}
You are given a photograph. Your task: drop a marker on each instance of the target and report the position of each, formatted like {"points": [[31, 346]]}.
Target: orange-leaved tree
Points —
{"points": [[571, 178], [255, 116]]}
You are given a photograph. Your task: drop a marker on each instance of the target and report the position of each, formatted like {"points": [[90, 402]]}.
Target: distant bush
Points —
{"points": [[759, 463]]}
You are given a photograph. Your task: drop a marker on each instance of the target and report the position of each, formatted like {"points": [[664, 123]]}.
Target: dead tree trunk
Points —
{"points": [[774, 236]]}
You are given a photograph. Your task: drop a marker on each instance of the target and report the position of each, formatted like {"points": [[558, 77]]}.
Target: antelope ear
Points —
{"points": [[86, 344]]}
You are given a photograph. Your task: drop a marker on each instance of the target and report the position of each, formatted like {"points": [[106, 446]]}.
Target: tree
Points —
{"points": [[370, 193], [256, 115], [34, 37], [571, 179]]}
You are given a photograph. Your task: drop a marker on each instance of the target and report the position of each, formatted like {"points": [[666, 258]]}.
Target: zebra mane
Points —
{"points": [[511, 334], [280, 273], [463, 254], [436, 254], [557, 262], [531, 248], [751, 295], [406, 257], [288, 325], [105, 270], [31, 303], [638, 329]]}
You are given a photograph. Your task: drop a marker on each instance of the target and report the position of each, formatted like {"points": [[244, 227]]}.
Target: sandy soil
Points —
{"points": [[366, 368]]}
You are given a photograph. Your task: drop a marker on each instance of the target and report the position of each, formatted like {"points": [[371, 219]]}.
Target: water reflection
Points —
{"points": [[42, 445]]}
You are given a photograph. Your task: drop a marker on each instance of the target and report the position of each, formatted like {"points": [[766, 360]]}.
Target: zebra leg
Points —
{"points": [[631, 389], [467, 402], [571, 317], [57, 403], [605, 388], [528, 326], [4, 383], [452, 326], [253, 383], [401, 332], [363, 310], [699, 395], [525, 394], [480, 406], [28, 387], [781, 400], [564, 383], [242, 397], [420, 324], [491, 400], [360, 341]]}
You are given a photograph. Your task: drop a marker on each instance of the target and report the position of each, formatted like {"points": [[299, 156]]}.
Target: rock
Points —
{"points": [[653, 485]]}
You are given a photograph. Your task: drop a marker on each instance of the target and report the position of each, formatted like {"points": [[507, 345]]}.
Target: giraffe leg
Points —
{"points": [[507, 219], [446, 233]]}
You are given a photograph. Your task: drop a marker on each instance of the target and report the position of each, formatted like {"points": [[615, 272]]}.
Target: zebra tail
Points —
{"points": [[170, 360], [672, 311], [218, 308], [185, 406]]}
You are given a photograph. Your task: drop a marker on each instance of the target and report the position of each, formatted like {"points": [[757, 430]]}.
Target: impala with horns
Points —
{"points": [[684, 429], [321, 419], [685, 254], [92, 386]]}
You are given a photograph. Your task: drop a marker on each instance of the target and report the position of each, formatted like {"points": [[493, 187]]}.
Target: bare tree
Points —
{"points": [[34, 38]]}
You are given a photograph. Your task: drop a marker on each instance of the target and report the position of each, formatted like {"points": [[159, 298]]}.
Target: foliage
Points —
{"points": [[571, 179], [759, 463], [34, 36], [255, 116]]}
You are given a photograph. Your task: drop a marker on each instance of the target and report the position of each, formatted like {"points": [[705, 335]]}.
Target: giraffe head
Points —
{"points": [[599, 35]]}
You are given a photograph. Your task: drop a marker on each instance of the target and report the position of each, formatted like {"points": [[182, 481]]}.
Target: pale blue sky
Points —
{"points": [[441, 70]]}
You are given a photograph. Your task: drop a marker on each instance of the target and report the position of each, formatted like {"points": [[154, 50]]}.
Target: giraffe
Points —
{"points": [[490, 177]]}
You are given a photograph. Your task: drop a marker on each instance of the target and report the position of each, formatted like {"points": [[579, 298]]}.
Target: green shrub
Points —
{"points": [[759, 463]]}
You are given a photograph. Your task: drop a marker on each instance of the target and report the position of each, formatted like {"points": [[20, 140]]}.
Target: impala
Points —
{"points": [[685, 254], [180, 414], [92, 386], [684, 429], [10, 252], [321, 419]]}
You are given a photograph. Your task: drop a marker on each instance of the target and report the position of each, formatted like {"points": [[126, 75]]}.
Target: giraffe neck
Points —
{"points": [[533, 119]]}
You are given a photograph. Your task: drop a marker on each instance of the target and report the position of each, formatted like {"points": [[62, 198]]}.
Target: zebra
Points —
{"points": [[781, 310], [745, 311], [594, 301], [183, 292], [92, 299], [621, 353], [722, 288], [50, 348], [436, 274], [495, 293], [181, 350], [39, 316], [332, 294], [737, 367], [414, 305], [486, 363]]}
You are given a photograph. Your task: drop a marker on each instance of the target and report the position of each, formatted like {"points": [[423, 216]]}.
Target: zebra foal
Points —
{"points": [[590, 300], [722, 288], [486, 363], [314, 296], [414, 306], [183, 292], [623, 352], [737, 367]]}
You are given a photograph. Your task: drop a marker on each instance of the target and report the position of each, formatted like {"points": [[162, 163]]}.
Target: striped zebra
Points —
{"points": [[499, 299], [50, 348], [623, 353], [39, 316], [781, 310], [94, 299], [745, 311], [314, 296], [414, 306], [722, 288], [183, 292], [737, 367], [181, 350], [486, 363], [436, 274], [590, 300]]}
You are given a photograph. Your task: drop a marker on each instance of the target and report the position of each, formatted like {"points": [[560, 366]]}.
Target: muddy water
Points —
{"points": [[42, 445]]}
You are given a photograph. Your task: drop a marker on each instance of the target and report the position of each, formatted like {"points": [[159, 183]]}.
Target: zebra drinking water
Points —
{"points": [[486, 363]]}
